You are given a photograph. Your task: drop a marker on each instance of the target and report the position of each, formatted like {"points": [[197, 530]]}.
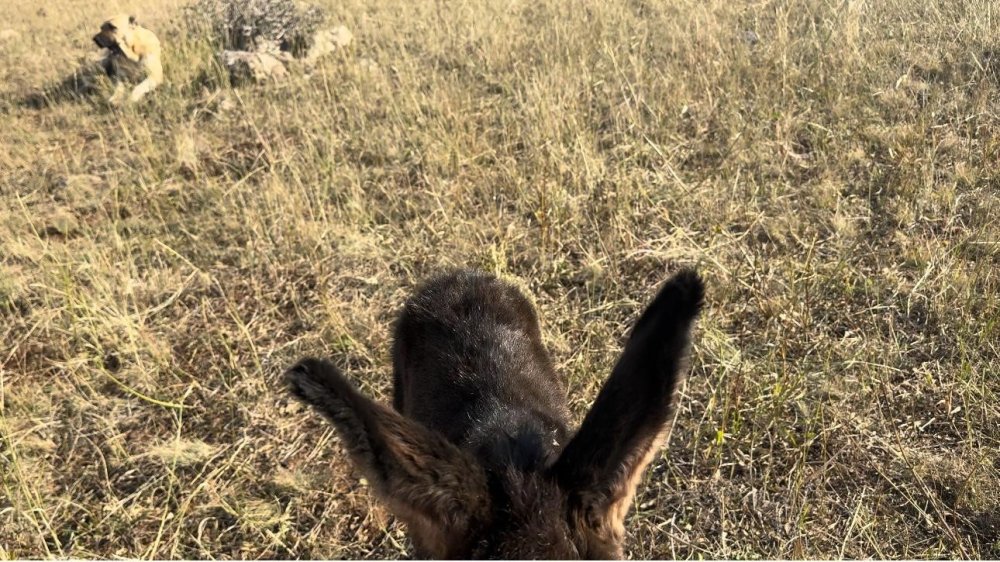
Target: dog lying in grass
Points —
{"points": [[133, 54]]}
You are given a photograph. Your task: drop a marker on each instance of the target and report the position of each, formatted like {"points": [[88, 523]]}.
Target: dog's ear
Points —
{"points": [[108, 26], [132, 20]]}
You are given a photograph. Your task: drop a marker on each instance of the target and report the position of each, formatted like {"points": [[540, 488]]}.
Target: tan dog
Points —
{"points": [[130, 44]]}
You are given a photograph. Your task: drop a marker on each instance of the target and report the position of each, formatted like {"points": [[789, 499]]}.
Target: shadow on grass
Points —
{"points": [[88, 79], [80, 85]]}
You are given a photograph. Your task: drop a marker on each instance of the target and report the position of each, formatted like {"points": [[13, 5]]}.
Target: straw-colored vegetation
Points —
{"points": [[830, 167]]}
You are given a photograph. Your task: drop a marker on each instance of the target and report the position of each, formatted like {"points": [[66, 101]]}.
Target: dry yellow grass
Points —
{"points": [[833, 175]]}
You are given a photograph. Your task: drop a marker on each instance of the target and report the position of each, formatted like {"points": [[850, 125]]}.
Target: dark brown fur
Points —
{"points": [[116, 65], [477, 457], [120, 68]]}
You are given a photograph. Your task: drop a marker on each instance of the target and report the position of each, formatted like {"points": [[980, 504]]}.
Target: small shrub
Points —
{"points": [[243, 25]]}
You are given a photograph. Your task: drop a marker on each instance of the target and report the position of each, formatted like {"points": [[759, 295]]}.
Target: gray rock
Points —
{"points": [[328, 41], [246, 66]]}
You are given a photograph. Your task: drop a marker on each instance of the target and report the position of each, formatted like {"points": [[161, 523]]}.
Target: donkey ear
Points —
{"points": [[604, 462], [426, 480]]}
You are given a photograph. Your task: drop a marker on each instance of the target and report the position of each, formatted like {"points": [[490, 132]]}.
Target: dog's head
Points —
{"points": [[113, 31]]}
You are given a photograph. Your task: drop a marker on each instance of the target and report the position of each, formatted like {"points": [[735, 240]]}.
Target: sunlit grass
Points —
{"points": [[832, 174]]}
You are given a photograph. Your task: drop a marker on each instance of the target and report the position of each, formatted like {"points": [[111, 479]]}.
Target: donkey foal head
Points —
{"points": [[476, 456]]}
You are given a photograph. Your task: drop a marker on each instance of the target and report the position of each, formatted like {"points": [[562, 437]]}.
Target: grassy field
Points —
{"points": [[831, 167]]}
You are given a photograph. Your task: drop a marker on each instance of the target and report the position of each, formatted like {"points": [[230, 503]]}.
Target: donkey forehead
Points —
{"points": [[531, 530], [533, 545], [529, 502]]}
